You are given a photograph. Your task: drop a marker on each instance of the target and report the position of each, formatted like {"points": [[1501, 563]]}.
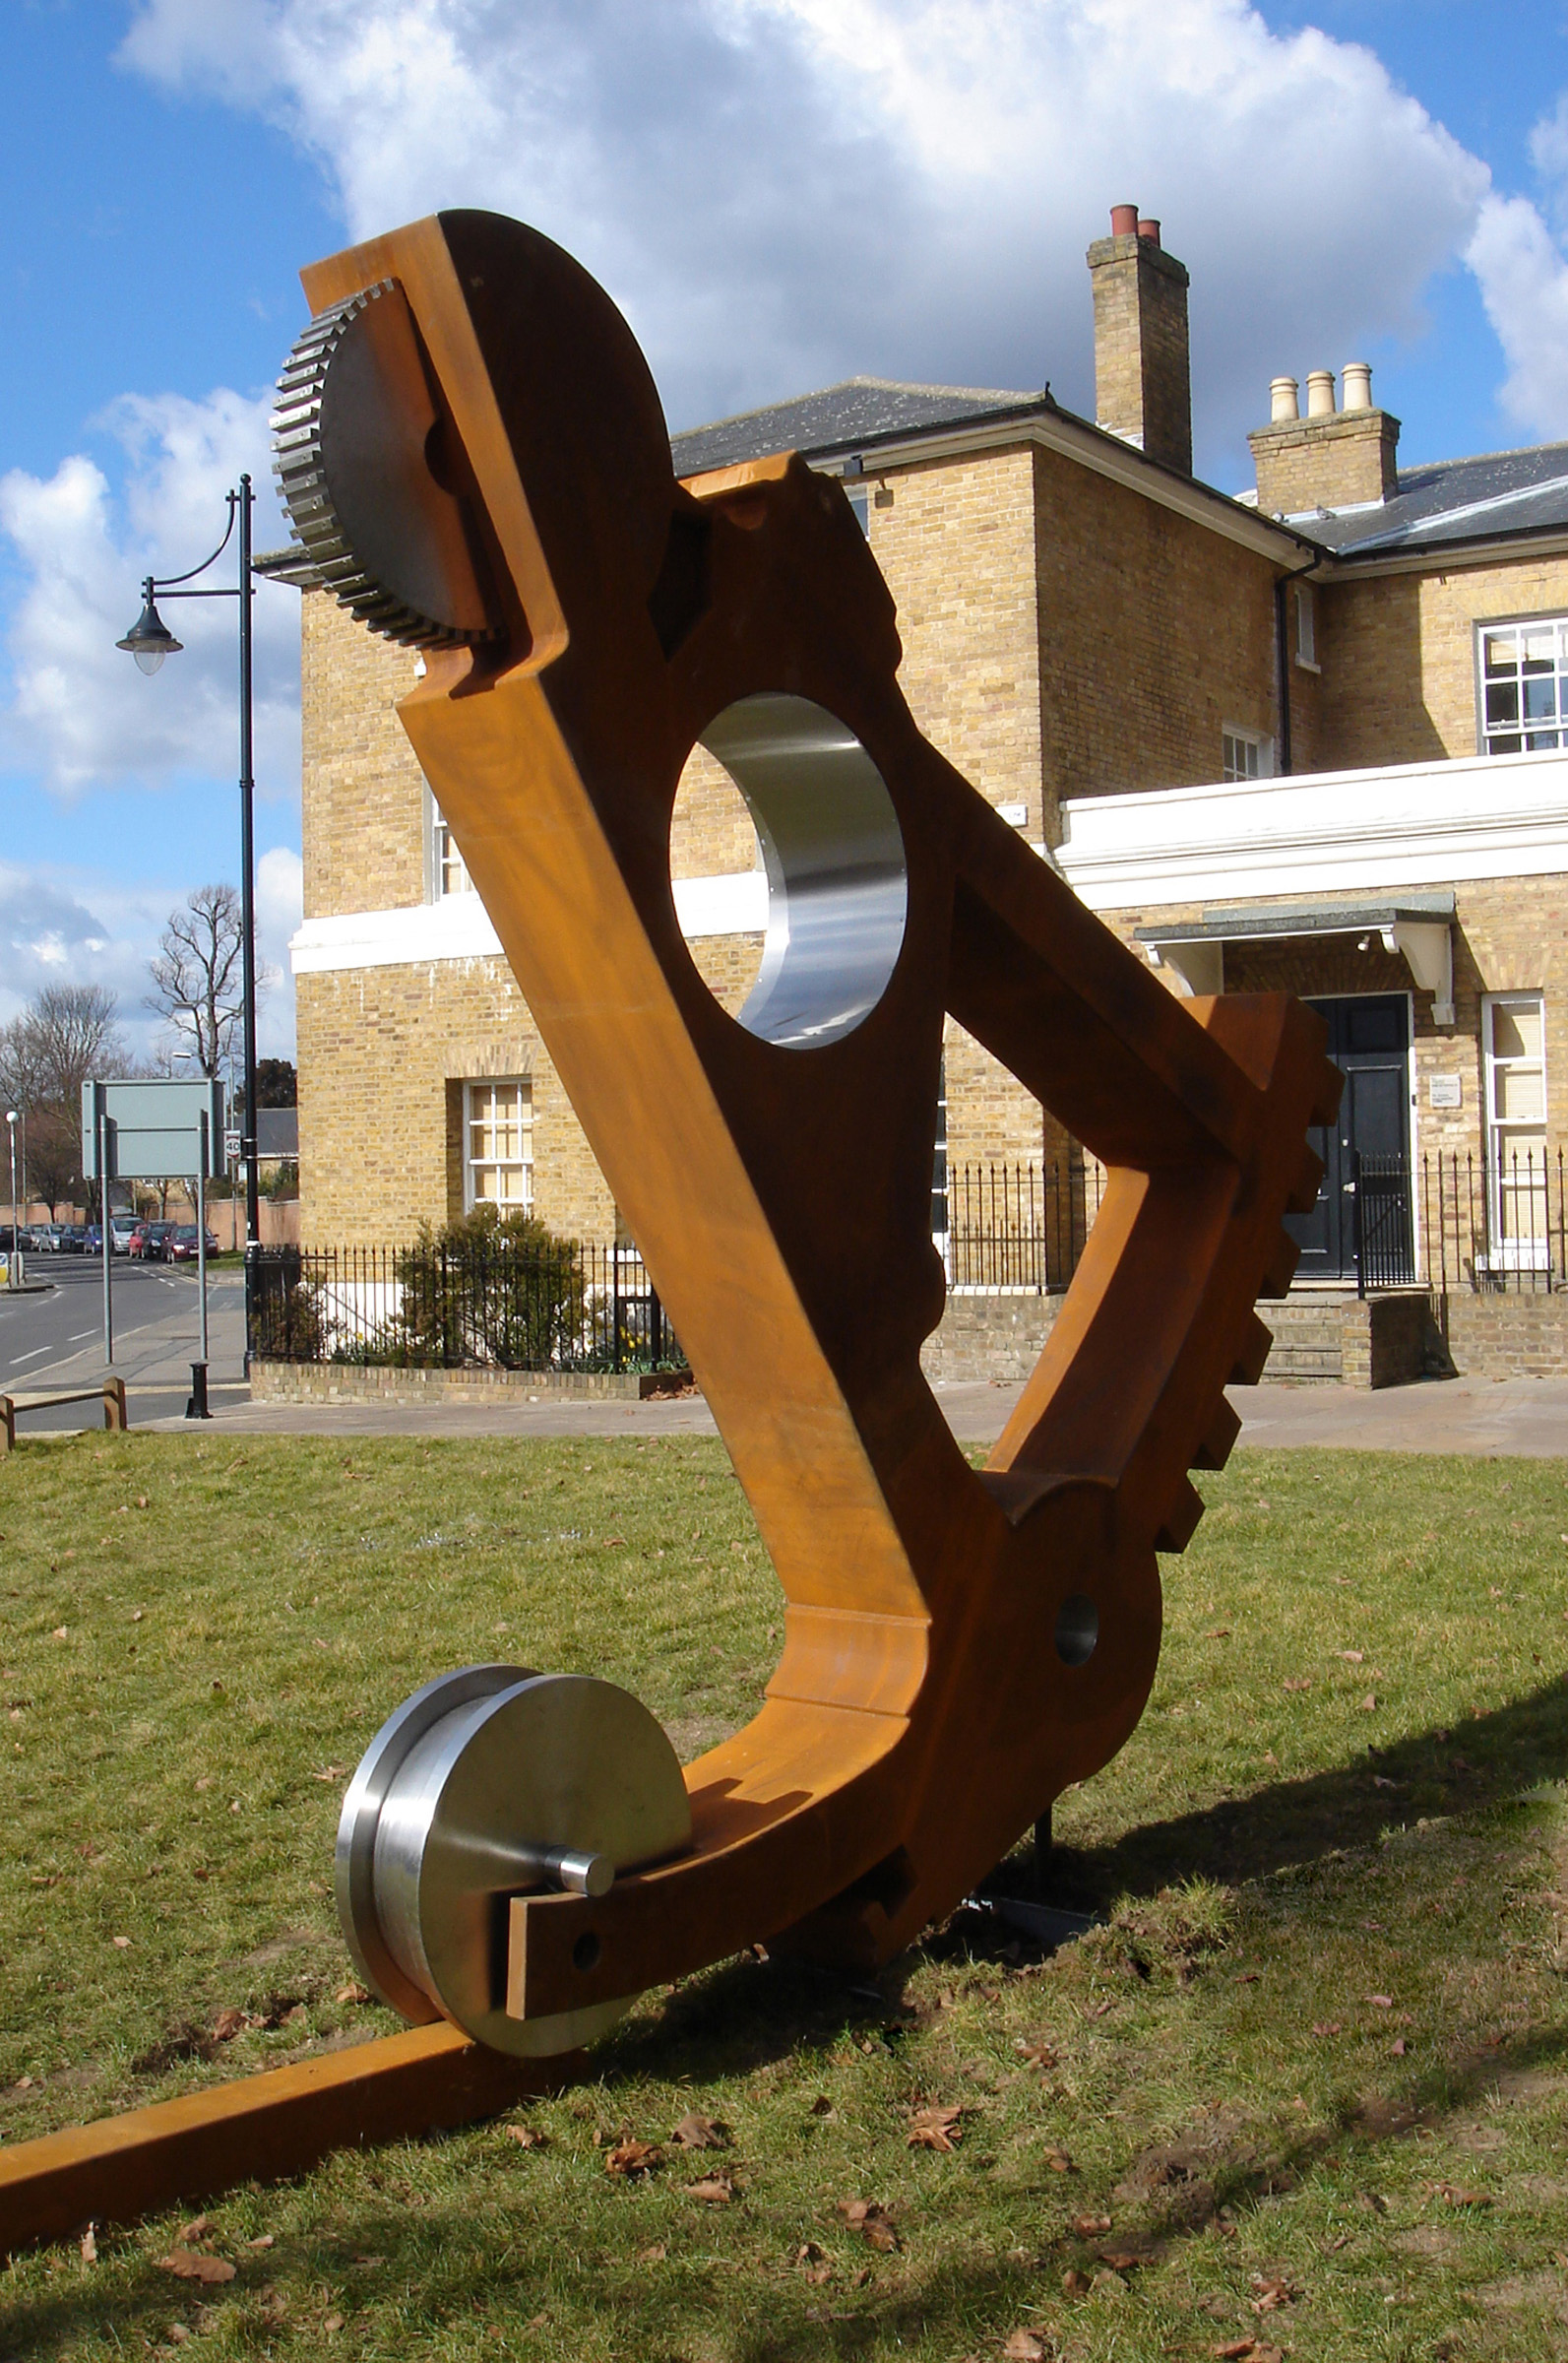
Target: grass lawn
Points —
{"points": [[1305, 2087]]}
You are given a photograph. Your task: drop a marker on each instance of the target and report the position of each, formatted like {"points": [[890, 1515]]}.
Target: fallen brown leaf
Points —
{"points": [[198, 2229], [697, 2132], [191, 2266], [869, 2219], [1398, 2047], [1295, 1681], [122, 1943], [1036, 2055], [935, 2129], [630, 2158], [1351, 1657], [1098, 2009], [526, 2137], [354, 1991], [1368, 1703], [1122, 2260], [1059, 2162], [1273, 2293], [262, 2240], [333, 2325], [1379, 2002], [1221, 1632], [1025, 2346], [1248, 2350], [817, 2268], [228, 2024], [645, 2255], [1076, 2284], [89, 2244], [1328, 2026], [1089, 2227], [1460, 2198], [715, 2191], [822, 2106]]}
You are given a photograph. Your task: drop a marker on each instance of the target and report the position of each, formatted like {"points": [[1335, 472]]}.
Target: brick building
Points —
{"points": [[1315, 738]]}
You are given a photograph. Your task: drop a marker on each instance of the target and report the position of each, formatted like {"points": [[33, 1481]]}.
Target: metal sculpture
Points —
{"points": [[473, 451], [472, 447]]}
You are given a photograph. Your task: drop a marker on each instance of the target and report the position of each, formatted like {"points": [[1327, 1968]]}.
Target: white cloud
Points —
{"points": [[780, 192], [280, 908], [77, 713], [1523, 283]]}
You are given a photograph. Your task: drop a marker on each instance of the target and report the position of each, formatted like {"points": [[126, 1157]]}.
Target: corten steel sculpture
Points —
{"points": [[474, 451]]}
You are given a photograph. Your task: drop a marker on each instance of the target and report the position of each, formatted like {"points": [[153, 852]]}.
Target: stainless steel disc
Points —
{"points": [[365, 465], [486, 1784]]}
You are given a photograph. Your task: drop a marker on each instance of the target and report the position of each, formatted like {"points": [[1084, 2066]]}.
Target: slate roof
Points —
{"points": [[843, 419], [1488, 498]]}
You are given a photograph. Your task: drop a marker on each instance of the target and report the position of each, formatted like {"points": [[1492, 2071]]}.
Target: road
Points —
{"points": [[57, 1338]]}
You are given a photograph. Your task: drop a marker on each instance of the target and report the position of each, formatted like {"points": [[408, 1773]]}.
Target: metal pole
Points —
{"points": [[16, 1229], [196, 1408], [103, 1218], [247, 858]]}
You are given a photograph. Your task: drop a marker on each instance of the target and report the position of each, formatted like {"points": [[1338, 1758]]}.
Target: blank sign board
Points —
{"points": [[153, 1128]]}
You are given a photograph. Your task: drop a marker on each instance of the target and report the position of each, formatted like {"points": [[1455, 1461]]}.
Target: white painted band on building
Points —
{"points": [[458, 928], [1418, 824]]}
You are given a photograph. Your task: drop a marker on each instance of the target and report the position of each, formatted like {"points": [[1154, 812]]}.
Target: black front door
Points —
{"points": [[1369, 1042]]}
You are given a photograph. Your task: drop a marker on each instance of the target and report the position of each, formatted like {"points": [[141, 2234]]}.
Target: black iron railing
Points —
{"points": [[1461, 1221], [1016, 1228], [439, 1306]]}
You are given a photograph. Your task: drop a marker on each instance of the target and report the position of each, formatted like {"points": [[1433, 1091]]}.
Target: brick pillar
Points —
{"points": [[1143, 387]]}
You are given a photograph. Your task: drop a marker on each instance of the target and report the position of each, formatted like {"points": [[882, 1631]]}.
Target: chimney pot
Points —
{"points": [[1124, 220], [1283, 403], [1356, 380], [1149, 230], [1320, 393]]}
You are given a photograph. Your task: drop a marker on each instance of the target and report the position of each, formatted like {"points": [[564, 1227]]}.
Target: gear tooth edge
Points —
{"points": [[1253, 1353], [1280, 1270], [1218, 1439], [1328, 1094], [1304, 1190], [1182, 1519]]}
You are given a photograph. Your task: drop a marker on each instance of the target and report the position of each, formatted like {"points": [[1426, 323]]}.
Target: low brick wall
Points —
{"points": [[354, 1382], [1506, 1336], [988, 1337]]}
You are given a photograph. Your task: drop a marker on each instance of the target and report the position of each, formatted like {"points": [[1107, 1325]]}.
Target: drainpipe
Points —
{"points": [[1281, 661]]}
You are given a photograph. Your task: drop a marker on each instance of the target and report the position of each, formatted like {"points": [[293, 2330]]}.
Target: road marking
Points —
{"points": [[17, 1359], [80, 1336]]}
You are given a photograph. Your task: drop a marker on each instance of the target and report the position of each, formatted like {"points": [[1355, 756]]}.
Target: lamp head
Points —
{"points": [[150, 639]]}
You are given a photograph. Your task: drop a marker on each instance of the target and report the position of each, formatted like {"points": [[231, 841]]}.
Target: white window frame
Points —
{"points": [[444, 871], [1233, 769], [1510, 1249], [473, 1113], [1491, 736], [1306, 628]]}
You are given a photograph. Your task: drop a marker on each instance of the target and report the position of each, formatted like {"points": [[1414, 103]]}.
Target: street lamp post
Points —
{"points": [[150, 641]]}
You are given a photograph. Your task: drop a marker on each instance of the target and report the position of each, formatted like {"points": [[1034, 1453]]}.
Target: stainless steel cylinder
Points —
{"points": [[486, 1784]]}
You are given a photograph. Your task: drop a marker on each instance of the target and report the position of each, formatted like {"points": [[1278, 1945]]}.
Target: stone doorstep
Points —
{"points": [[349, 1382]]}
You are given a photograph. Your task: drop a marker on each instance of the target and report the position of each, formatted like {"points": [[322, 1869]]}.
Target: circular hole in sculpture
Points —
{"points": [[1077, 1629], [585, 1952], [831, 895]]}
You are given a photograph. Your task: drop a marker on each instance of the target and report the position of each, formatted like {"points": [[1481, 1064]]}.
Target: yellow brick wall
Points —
{"points": [[1397, 655], [363, 793]]}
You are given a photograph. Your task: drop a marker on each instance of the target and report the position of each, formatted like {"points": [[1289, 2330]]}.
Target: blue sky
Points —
{"points": [[778, 192]]}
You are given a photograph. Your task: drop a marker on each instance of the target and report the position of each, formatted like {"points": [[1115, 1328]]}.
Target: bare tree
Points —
{"points": [[65, 1033], [198, 977]]}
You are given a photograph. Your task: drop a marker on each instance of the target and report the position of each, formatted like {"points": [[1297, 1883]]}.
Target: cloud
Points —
{"points": [[782, 192], [1524, 285], [280, 908], [76, 713]]}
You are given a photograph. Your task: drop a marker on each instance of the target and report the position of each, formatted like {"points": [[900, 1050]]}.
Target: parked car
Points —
{"points": [[147, 1241], [69, 1239], [180, 1245], [42, 1238], [121, 1226]]}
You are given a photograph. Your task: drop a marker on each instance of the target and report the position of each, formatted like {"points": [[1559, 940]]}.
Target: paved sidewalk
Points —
{"points": [[1527, 1417]]}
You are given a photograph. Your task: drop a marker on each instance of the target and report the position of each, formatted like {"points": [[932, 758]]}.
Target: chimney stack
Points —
{"points": [[1332, 459], [1142, 385]]}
